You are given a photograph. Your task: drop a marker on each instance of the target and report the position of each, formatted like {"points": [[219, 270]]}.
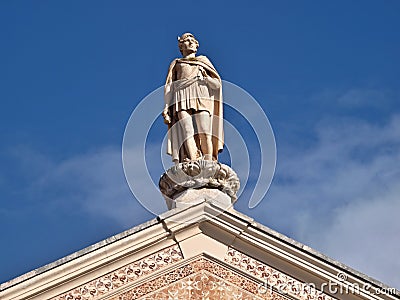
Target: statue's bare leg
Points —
{"points": [[185, 121], [203, 123]]}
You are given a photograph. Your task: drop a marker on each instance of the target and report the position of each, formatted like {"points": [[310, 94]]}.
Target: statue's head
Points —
{"points": [[187, 37]]}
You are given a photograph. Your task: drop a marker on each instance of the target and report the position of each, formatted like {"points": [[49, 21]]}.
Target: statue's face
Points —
{"points": [[189, 45]]}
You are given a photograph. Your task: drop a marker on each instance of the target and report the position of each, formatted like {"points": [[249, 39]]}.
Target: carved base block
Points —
{"points": [[192, 196], [192, 182]]}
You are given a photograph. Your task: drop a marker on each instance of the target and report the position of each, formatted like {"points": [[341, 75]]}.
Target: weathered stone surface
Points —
{"points": [[200, 174]]}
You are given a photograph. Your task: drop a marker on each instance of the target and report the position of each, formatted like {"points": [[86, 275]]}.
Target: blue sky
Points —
{"points": [[325, 72]]}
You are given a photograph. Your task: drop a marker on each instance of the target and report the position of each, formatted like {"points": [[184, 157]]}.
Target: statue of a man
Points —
{"points": [[193, 105]]}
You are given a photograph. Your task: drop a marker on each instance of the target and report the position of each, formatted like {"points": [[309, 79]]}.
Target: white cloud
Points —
{"points": [[362, 97], [365, 233], [357, 98], [91, 183], [341, 195]]}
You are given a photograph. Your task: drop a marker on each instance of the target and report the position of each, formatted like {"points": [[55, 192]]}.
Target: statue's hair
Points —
{"points": [[182, 38]]}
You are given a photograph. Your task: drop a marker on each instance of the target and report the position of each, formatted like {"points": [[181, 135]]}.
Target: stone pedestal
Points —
{"points": [[192, 182]]}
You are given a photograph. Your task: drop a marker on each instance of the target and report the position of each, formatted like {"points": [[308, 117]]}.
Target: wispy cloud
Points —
{"points": [[341, 194], [365, 234], [91, 184], [357, 98]]}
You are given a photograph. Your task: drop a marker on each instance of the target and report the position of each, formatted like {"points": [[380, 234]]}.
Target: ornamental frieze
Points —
{"points": [[127, 274], [201, 279], [273, 279]]}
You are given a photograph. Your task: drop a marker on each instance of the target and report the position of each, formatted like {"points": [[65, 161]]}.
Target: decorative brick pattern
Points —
{"points": [[200, 280], [273, 278], [124, 275]]}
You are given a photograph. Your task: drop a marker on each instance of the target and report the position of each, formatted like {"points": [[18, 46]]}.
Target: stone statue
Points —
{"points": [[193, 105]]}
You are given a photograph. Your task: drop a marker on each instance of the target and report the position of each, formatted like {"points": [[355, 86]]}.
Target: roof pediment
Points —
{"points": [[198, 252]]}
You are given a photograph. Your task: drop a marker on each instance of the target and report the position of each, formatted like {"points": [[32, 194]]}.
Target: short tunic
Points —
{"points": [[192, 93]]}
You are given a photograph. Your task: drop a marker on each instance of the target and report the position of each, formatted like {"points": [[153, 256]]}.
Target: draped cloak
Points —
{"points": [[176, 135]]}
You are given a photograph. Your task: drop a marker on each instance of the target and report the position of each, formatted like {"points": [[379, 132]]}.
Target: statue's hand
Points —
{"points": [[167, 118], [213, 83]]}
